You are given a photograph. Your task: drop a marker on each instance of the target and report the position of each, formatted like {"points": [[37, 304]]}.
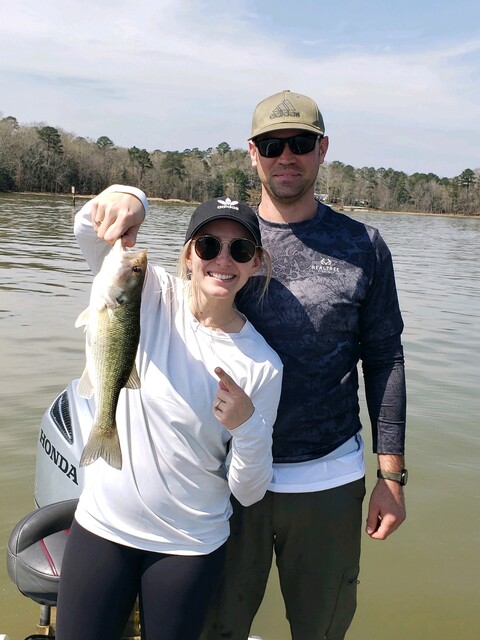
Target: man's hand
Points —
{"points": [[386, 510], [117, 215]]}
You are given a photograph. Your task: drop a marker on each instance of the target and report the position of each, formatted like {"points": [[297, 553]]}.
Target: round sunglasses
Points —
{"points": [[299, 145], [209, 247]]}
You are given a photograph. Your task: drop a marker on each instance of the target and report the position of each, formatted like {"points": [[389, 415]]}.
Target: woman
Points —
{"points": [[197, 430]]}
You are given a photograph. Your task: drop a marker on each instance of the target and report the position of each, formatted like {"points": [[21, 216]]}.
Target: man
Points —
{"points": [[332, 302]]}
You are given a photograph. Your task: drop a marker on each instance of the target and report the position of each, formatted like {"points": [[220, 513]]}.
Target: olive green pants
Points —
{"points": [[316, 539]]}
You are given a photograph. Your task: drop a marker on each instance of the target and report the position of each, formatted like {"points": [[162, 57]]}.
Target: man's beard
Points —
{"points": [[290, 192]]}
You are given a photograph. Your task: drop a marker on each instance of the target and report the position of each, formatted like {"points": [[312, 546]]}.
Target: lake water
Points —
{"points": [[424, 582]]}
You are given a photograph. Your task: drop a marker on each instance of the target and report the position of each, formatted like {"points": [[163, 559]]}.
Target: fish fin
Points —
{"points": [[82, 319], [104, 446], [133, 381], [85, 387]]}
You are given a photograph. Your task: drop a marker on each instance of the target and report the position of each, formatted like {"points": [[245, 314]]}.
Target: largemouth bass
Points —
{"points": [[112, 326]]}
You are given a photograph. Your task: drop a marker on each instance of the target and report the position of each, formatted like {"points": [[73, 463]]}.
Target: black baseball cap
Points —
{"points": [[224, 209]]}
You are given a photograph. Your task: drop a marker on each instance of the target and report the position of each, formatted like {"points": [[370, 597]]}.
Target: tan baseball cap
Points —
{"points": [[287, 110]]}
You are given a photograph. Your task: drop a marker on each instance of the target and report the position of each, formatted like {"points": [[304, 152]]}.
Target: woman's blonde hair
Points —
{"points": [[266, 266]]}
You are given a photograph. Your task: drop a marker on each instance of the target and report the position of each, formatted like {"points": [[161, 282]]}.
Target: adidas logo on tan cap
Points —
{"points": [[287, 110]]}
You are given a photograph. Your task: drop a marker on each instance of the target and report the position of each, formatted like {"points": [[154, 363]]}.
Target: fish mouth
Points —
{"points": [[221, 276]]}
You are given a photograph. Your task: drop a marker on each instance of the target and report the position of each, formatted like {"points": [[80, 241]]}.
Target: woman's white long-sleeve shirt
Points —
{"points": [[172, 494]]}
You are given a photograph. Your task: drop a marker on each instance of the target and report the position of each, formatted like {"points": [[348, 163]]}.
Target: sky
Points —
{"points": [[398, 83]]}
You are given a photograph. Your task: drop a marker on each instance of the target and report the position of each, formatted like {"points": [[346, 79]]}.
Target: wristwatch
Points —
{"points": [[398, 476]]}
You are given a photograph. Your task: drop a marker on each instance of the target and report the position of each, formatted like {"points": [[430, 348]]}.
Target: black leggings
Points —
{"points": [[100, 581]]}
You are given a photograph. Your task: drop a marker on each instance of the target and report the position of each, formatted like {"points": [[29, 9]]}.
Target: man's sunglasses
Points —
{"points": [[209, 247], [299, 145]]}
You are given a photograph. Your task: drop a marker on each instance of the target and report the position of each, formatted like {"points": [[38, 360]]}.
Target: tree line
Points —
{"points": [[41, 158]]}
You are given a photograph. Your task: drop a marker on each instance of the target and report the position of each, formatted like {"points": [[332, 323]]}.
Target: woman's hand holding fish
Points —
{"points": [[117, 215], [232, 407]]}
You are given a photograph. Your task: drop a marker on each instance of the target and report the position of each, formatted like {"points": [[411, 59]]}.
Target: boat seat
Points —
{"points": [[35, 550]]}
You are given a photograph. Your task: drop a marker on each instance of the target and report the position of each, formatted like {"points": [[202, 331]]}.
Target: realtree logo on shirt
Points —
{"points": [[325, 265]]}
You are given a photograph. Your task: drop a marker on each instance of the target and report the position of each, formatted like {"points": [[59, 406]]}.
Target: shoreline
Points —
{"points": [[78, 196], [407, 213], [194, 203]]}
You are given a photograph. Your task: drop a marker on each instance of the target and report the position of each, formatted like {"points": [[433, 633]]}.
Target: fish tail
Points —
{"points": [[102, 445]]}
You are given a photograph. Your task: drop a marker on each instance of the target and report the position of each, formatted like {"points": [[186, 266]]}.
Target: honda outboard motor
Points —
{"points": [[36, 544], [64, 429]]}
